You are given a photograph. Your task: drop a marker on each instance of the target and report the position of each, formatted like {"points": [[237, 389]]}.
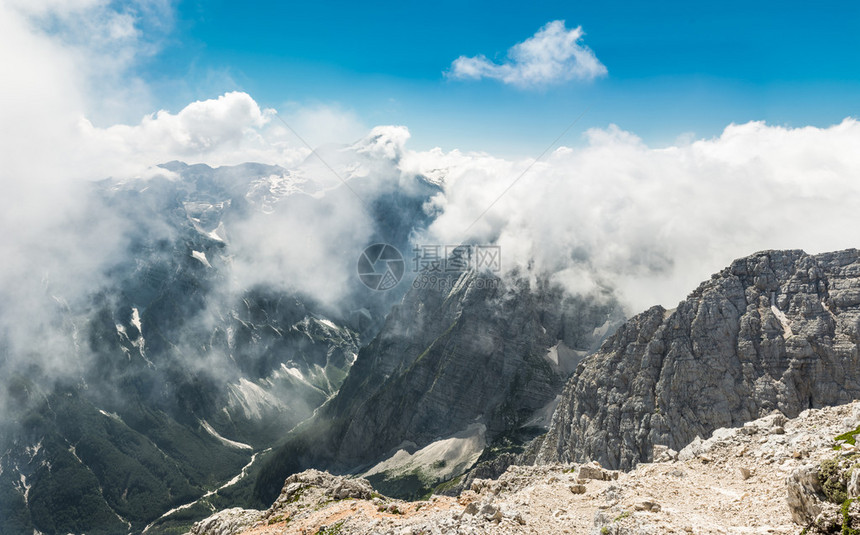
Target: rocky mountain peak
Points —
{"points": [[777, 330], [773, 475], [464, 361]]}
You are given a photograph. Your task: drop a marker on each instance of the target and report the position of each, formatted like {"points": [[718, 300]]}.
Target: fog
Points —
{"points": [[651, 223], [609, 212]]}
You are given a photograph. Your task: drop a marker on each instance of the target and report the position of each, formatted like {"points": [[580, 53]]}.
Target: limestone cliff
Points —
{"points": [[469, 352], [775, 330]]}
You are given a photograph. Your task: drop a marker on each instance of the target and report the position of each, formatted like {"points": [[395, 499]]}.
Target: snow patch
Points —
{"points": [[33, 450], [267, 192], [226, 441], [123, 336], [328, 323], [294, 372], [139, 342], [460, 284], [135, 320], [112, 416], [201, 256], [24, 484], [252, 399], [203, 216], [74, 453], [218, 233]]}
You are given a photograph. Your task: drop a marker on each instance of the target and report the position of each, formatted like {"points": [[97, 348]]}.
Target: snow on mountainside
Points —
{"points": [[450, 377], [202, 343]]}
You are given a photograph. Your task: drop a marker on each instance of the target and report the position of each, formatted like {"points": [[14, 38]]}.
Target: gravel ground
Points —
{"points": [[732, 483]]}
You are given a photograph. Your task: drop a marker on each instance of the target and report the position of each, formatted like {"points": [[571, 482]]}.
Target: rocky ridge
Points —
{"points": [[740, 480], [777, 330], [470, 359]]}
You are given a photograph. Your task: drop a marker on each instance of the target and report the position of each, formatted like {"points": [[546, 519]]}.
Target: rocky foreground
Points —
{"points": [[773, 475]]}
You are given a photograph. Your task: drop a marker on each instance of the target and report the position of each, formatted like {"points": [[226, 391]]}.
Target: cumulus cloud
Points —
{"points": [[67, 59], [76, 103], [553, 55], [648, 223], [72, 116], [308, 242], [91, 47], [651, 223], [227, 130]]}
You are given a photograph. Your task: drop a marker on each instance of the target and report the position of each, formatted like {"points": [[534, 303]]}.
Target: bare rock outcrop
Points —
{"points": [[309, 488], [738, 480], [471, 349], [804, 494], [227, 522], [776, 331]]}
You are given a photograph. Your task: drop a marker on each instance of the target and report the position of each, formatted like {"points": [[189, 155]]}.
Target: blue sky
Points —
{"points": [[90, 76], [673, 67]]}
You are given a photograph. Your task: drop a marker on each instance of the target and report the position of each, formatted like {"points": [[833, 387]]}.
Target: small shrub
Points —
{"points": [[832, 480], [622, 516], [334, 529], [849, 437], [298, 494], [846, 519]]}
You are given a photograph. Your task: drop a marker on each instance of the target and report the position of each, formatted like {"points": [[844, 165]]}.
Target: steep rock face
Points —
{"points": [[166, 369], [470, 350], [775, 330]]}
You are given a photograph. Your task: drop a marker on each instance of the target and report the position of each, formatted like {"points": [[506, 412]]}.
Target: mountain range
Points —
{"points": [[175, 369], [229, 344]]}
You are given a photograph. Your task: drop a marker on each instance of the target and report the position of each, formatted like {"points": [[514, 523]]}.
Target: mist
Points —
{"points": [[609, 213], [651, 223]]}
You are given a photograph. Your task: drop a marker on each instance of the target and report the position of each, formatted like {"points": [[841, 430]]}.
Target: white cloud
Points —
{"points": [[650, 223], [322, 124], [653, 223], [73, 72], [554, 54], [96, 44], [229, 130], [309, 243]]}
